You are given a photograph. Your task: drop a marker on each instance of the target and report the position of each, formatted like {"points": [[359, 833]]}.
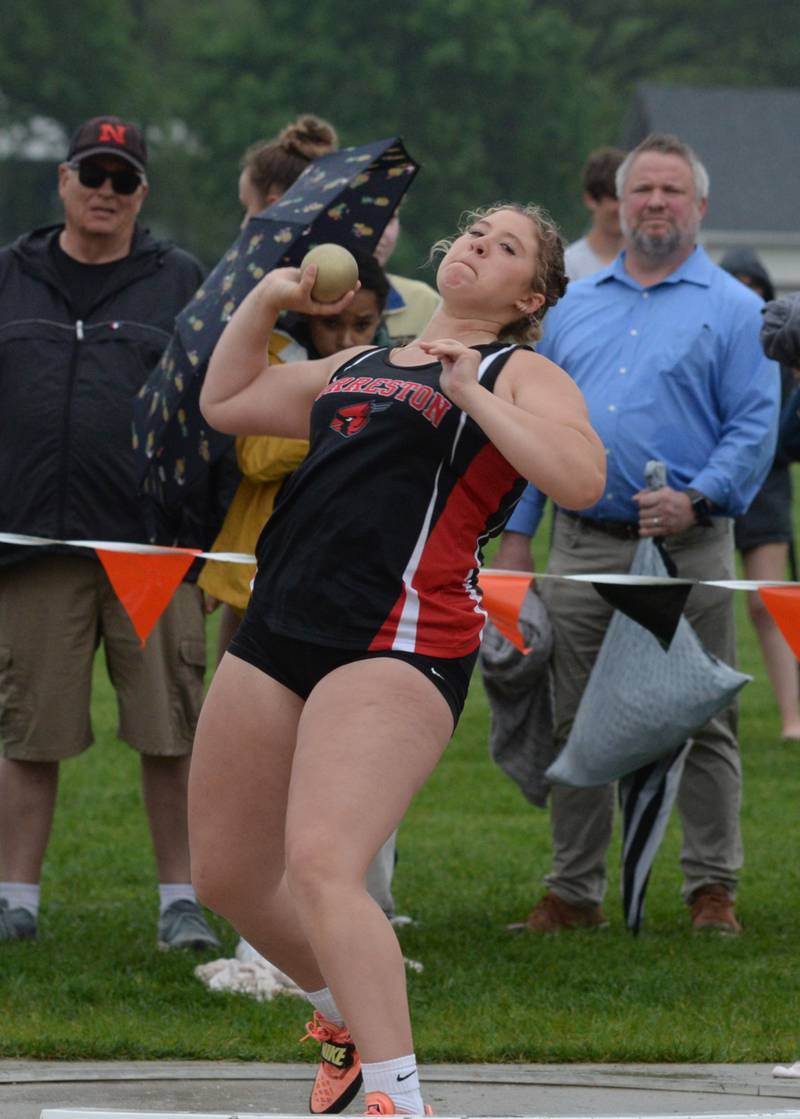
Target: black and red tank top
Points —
{"points": [[376, 539]]}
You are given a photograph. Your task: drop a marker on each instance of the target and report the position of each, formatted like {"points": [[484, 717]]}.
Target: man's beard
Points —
{"points": [[656, 247]]}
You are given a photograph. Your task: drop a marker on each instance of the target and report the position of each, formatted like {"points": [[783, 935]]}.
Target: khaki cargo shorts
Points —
{"points": [[54, 613]]}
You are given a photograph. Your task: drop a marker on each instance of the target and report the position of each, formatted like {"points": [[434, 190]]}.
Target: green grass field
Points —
{"points": [[472, 855]]}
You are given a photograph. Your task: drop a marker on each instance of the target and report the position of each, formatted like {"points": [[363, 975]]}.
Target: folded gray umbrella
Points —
{"points": [[634, 724], [642, 702], [519, 687]]}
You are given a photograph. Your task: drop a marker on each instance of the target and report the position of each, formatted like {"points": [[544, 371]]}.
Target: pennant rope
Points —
{"points": [[145, 588], [119, 546], [144, 576], [491, 572], [650, 580]]}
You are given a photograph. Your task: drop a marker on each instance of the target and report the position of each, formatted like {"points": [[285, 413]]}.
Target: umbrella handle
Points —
{"points": [[655, 474]]}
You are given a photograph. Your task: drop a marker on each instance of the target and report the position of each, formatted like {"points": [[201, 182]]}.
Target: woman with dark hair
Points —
{"points": [[270, 167], [345, 680], [764, 534]]}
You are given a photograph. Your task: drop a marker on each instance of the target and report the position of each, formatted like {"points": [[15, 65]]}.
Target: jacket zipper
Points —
{"points": [[65, 438]]}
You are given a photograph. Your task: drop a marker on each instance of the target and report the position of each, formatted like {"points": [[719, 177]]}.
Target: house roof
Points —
{"points": [[748, 139]]}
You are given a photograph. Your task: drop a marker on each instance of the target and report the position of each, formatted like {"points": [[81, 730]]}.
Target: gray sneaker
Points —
{"points": [[183, 925], [16, 924]]}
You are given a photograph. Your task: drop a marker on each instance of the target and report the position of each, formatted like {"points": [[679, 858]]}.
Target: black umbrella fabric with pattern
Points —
{"points": [[346, 198]]}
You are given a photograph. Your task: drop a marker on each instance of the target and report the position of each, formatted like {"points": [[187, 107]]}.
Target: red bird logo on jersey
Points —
{"points": [[354, 417]]}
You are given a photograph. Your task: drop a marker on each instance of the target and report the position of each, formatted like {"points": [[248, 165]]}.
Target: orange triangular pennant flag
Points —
{"points": [[502, 599], [145, 582], [783, 604]]}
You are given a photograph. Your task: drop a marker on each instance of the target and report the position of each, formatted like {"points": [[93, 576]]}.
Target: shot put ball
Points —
{"points": [[337, 272]]}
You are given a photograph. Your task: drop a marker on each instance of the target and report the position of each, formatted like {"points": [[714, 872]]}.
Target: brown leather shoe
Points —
{"points": [[553, 915], [712, 909]]}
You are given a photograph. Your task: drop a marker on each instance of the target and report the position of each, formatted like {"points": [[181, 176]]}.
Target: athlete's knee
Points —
{"points": [[316, 871], [213, 887], [219, 882]]}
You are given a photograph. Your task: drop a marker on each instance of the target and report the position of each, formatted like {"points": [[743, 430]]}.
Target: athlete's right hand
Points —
{"points": [[286, 290]]}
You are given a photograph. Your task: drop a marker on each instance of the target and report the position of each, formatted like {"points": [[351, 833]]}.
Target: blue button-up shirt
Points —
{"points": [[673, 372]]}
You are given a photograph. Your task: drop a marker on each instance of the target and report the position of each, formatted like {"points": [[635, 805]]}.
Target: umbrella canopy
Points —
{"points": [[347, 198]]}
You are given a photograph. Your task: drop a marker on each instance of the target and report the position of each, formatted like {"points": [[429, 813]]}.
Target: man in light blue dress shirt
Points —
{"points": [[665, 348]]}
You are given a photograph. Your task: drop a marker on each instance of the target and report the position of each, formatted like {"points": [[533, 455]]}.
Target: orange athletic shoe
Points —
{"points": [[339, 1074], [378, 1103]]}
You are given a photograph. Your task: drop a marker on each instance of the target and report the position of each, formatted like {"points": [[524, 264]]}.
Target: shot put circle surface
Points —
{"points": [[337, 272]]}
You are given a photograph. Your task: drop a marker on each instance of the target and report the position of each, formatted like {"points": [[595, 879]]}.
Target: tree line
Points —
{"points": [[497, 99]]}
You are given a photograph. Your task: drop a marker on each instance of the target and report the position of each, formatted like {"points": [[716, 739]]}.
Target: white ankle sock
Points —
{"points": [[325, 1003], [168, 892], [398, 1079], [21, 895]]}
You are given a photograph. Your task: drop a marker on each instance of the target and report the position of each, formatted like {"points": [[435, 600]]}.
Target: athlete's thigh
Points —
{"points": [[241, 763], [370, 734]]}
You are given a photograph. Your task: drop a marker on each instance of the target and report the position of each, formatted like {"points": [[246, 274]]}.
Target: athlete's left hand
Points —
{"points": [[459, 367]]}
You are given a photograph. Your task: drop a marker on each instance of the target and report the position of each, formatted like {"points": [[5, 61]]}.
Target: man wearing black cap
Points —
{"points": [[88, 306]]}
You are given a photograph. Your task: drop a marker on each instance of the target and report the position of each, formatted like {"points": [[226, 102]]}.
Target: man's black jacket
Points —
{"points": [[66, 389]]}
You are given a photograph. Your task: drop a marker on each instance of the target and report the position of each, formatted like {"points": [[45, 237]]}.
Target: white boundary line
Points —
{"points": [[101, 1113]]}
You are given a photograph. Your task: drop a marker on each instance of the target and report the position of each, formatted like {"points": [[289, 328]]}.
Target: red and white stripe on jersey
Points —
{"points": [[434, 608]]}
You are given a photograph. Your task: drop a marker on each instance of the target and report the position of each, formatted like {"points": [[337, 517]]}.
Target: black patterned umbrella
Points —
{"points": [[347, 198]]}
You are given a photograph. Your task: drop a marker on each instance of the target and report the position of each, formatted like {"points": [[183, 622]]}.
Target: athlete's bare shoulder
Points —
{"points": [[526, 370]]}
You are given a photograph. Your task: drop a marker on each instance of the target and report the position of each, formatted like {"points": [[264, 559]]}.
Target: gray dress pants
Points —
{"points": [[710, 791]]}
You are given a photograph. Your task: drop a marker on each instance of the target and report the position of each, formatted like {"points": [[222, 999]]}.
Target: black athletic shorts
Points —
{"points": [[769, 518], [300, 665]]}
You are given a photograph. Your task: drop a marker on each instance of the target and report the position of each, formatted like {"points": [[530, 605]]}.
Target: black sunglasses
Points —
{"points": [[93, 175]]}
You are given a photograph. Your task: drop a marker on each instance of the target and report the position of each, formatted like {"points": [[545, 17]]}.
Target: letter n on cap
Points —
{"points": [[115, 133]]}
